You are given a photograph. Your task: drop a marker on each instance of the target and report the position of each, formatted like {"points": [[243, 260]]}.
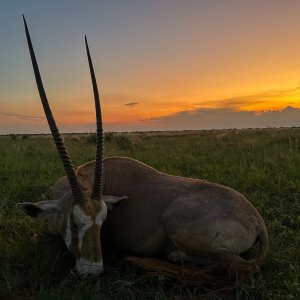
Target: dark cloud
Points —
{"points": [[22, 117], [131, 104], [222, 118], [227, 113]]}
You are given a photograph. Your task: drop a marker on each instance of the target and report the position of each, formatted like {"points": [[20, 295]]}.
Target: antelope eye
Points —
{"points": [[74, 226], [77, 226]]}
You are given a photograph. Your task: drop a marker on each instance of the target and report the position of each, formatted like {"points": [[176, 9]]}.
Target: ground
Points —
{"points": [[262, 164]]}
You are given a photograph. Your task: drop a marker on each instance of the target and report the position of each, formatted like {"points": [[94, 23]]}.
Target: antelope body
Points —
{"points": [[181, 219]]}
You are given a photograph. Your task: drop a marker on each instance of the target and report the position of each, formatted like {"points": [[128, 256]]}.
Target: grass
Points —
{"points": [[264, 165]]}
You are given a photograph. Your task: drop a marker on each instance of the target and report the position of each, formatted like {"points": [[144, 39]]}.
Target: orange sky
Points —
{"points": [[167, 57]]}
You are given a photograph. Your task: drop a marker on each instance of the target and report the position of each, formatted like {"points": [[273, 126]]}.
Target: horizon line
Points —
{"points": [[170, 130]]}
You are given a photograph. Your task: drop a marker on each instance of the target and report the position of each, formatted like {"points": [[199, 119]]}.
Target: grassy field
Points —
{"points": [[264, 165]]}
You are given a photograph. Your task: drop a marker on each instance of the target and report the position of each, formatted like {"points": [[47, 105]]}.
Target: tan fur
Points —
{"points": [[92, 251], [91, 208], [167, 213]]}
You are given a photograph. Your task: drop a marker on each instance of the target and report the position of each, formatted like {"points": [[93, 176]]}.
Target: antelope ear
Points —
{"points": [[111, 200], [39, 209]]}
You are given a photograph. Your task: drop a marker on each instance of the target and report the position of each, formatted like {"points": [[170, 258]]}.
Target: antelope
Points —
{"points": [[164, 221]]}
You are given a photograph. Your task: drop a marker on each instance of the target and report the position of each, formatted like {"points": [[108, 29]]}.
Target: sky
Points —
{"points": [[160, 64]]}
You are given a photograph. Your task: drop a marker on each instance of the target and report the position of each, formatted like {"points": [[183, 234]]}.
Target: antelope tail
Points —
{"points": [[263, 240]]}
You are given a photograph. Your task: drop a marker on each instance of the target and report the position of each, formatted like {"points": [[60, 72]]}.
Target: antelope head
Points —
{"points": [[85, 213]]}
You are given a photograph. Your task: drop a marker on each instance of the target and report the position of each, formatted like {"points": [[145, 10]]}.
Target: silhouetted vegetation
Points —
{"points": [[91, 138]]}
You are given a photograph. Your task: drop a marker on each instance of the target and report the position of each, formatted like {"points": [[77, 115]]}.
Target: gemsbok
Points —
{"points": [[169, 224]]}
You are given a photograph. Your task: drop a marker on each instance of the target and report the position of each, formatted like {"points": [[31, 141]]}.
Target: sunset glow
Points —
{"points": [[160, 65]]}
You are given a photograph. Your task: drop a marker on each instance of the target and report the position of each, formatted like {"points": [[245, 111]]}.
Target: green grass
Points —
{"points": [[264, 165]]}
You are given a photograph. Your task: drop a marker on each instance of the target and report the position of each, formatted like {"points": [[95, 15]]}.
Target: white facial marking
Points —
{"points": [[85, 267], [68, 235], [83, 222], [102, 214]]}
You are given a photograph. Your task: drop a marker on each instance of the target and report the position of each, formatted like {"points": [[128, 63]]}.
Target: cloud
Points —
{"points": [[244, 111], [222, 118], [273, 99], [131, 104], [273, 108], [22, 117]]}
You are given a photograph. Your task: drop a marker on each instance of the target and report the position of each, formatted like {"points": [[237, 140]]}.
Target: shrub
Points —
{"points": [[123, 142], [108, 137], [13, 136], [91, 138]]}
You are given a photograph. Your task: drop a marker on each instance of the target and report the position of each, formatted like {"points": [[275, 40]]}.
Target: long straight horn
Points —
{"points": [[77, 192], [98, 182]]}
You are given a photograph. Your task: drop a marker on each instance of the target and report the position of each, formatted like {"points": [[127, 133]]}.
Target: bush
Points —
{"points": [[13, 136], [108, 137], [91, 139], [123, 142]]}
